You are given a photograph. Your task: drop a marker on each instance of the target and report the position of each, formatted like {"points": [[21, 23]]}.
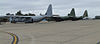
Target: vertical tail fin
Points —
{"points": [[85, 13], [72, 13], [49, 11]]}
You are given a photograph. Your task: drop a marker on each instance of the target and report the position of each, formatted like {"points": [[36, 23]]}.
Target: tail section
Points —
{"points": [[49, 11], [85, 13], [72, 13]]}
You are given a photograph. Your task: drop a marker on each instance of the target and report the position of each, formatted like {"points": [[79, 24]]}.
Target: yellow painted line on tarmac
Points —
{"points": [[15, 38]]}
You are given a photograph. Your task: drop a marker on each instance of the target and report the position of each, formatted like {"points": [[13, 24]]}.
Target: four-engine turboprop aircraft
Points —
{"points": [[31, 19], [73, 17]]}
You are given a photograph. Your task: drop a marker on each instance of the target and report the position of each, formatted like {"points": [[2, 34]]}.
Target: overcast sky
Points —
{"points": [[60, 7]]}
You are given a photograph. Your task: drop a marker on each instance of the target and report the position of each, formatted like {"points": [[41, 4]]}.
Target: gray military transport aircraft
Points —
{"points": [[72, 16], [31, 19]]}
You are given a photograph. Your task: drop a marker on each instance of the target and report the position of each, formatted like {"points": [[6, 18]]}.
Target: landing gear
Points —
{"points": [[13, 22], [32, 21]]}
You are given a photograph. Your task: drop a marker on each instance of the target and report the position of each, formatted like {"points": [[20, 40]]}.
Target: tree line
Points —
{"points": [[19, 13]]}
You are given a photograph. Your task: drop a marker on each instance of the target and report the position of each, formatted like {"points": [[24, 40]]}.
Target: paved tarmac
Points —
{"points": [[66, 32]]}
